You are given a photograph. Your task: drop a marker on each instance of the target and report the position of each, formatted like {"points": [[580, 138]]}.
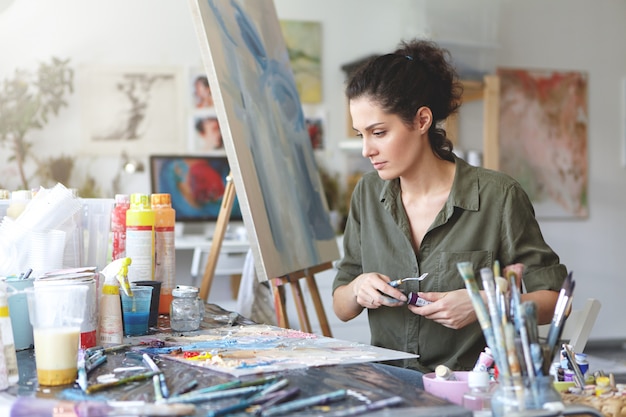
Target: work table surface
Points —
{"points": [[368, 382]]}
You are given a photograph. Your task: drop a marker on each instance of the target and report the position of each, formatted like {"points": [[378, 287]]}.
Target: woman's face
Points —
{"points": [[391, 146]]}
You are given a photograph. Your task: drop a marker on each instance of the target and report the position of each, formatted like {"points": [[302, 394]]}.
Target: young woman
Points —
{"points": [[423, 209]]}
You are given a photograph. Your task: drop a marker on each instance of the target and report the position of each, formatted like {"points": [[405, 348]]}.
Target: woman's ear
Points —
{"points": [[423, 119]]}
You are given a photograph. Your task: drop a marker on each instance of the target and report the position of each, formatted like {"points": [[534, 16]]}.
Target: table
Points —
{"points": [[364, 379], [232, 253]]}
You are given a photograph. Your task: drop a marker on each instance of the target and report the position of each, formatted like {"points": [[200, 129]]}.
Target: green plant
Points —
{"points": [[26, 103]]}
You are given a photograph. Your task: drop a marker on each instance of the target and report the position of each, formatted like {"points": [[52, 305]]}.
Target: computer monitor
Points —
{"points": [[196, 184]]}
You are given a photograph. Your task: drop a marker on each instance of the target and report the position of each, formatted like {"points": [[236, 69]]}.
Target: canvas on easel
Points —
{"points": [[265, 136]]}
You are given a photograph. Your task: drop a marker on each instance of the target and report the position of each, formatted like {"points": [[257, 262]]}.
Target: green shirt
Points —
{"points": [[487, 217]]}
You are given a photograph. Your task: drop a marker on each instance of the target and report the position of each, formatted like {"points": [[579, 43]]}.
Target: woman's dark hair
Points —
{"points": [[417, 74]]}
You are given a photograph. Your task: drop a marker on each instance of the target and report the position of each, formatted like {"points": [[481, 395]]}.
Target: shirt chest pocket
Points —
{"points": [[448, 276]]}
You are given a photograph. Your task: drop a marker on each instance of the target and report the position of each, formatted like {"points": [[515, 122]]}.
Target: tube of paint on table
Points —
{"points": [[485, 360]]}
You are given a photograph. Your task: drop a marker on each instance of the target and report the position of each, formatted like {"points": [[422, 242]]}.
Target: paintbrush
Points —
{"points": [[82, 370], [500, 351], [133, 378], [160, 386], [466, 269], [214, 395], [30, 407], [296, 405], [360, 409], [571, 359], [397, 282], [277, 398], [519, 319], [563, 304], [266, 394]]}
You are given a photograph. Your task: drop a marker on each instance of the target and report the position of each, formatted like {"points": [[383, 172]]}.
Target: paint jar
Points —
{"points": [[512, 396], [186, 309], [56, 313], [18, 311], [88, 278]]}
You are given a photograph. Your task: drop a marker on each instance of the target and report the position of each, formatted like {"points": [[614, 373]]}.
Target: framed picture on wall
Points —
{"points": [[543, 121], [205, 135], [137, 109], [195, 183]]}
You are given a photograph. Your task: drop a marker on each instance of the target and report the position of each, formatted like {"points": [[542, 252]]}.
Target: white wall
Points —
{"points": [[585, 36], [555, 34]]}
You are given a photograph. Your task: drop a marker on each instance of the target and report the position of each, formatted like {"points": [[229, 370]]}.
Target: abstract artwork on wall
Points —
{"points": [[132, 109], [543, 138], [304, 44], [265, 136]]}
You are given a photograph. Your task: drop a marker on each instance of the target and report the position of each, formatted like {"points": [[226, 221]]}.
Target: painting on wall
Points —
{"points": [[196, 184], [265, 136], [133, 109], [543, 138], [304, 45]]}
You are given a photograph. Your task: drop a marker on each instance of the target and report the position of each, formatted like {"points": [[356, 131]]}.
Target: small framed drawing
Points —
{"points": [[195, 183], [206, 136], [200, 96], [134, 108]]}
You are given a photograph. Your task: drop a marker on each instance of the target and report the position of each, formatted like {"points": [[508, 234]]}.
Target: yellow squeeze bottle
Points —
{"points": [[140, 238], [110, 320], [164, 253]]}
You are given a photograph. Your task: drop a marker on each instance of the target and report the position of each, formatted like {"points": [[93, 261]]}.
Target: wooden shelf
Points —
{"points": [[487, 90]]}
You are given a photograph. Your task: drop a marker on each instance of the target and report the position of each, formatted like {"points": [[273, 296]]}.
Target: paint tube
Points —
{"points": [[414, 299]]}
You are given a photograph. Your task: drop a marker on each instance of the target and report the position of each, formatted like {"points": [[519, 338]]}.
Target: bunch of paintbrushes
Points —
{"points": [[508, 323]]}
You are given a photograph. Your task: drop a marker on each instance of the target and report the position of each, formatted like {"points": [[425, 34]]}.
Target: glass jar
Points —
{"points": [[510, 397], [186, 310]]}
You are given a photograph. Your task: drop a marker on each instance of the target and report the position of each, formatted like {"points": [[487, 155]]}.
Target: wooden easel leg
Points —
{"points": [[317, 303], [303, 317], [279, 303], [218, 237]]}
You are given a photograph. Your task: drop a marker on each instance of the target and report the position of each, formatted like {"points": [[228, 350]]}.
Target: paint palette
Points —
{"points": [[254, 349]]}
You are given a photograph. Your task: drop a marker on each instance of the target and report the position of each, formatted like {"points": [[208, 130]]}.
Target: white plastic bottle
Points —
{"points": [[478, 398], [110, 324], [4, 377], [6, 329]]}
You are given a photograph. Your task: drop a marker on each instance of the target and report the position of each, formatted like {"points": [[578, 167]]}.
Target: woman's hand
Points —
{"points": [[370, 290], [452, 309]]}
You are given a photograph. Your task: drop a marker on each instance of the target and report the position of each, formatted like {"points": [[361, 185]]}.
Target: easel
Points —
{"points": [[277, 283]]}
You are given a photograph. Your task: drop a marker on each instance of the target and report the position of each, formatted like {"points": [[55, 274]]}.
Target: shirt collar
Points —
{"points": [[464, 192]]}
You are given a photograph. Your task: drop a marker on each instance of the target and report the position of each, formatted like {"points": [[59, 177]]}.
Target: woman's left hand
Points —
{"points": [[452, 309]]}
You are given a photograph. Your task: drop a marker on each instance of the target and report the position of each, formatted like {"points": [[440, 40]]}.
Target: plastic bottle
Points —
{"points": [[19, 201], [6, 329], [73, 255], [164, 253], [140, 238], [118, 226], [478, 398], [4, 378], [110, 324]]}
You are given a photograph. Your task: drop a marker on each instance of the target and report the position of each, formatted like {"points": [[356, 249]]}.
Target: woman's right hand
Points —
{"points": [[372, 290], [369, 290]]}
